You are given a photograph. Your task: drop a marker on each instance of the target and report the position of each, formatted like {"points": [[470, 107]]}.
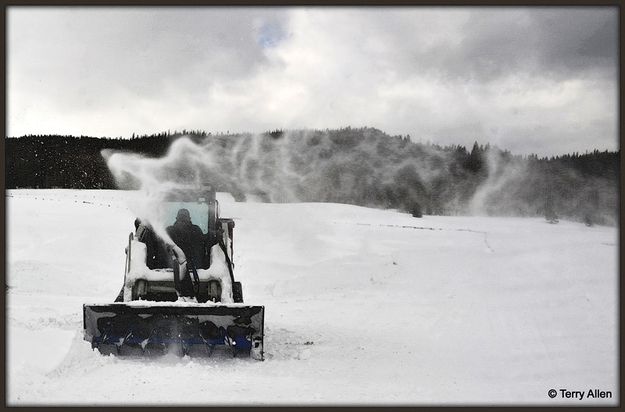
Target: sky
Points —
{"points": [[528, 79]]}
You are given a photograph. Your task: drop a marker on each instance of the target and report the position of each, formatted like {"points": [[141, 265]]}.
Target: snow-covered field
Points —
{"points": [[362, 306]]}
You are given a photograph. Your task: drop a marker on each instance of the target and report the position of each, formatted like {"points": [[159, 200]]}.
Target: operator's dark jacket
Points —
{"points": [[190, 239]]}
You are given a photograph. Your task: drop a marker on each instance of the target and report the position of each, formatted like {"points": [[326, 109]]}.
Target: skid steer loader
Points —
{"points": [[171, 300]]}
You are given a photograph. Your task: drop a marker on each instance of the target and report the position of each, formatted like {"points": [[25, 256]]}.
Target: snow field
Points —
{"points": [[362, 306]]}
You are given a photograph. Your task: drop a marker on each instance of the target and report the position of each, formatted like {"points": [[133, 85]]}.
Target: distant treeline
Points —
{"points": [[361, 166]]}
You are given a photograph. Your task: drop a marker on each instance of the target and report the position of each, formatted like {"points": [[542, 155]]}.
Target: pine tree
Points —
{"points": [[415, 210], [550, 214]]}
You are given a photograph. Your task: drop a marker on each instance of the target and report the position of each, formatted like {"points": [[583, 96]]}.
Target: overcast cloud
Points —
{"points": [[541, 80]]}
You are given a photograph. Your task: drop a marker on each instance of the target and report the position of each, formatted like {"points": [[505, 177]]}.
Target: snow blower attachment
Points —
{"points": [[180, 296]]}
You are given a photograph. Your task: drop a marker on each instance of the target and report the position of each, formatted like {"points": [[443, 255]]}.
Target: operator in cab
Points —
{"points": [[189, 238]]}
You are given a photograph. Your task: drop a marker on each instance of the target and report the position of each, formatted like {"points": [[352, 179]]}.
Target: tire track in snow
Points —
{"points": [[67, 199], [283, 344], [478, 231], [68, 322], [481, 232]]}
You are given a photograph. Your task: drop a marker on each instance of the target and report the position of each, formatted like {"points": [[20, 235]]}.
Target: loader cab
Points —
{"points": [[203, 209], [202, 206], [195, 243]]}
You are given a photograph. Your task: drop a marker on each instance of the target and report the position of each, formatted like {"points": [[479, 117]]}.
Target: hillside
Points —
{"points": [[363, 167]]}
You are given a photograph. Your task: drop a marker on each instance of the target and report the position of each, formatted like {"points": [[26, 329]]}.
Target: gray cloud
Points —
{"points": [[142, 51], [485, 44], [528, 79], [578, 40]]}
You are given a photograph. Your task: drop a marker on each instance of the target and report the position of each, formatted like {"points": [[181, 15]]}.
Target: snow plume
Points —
{"points": [[494, 196], [242, 165], [358, 166], [361, 166], [156, 178]]}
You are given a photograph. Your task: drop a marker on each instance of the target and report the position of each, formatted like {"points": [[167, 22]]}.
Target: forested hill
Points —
{"points": [[361, 166]]}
